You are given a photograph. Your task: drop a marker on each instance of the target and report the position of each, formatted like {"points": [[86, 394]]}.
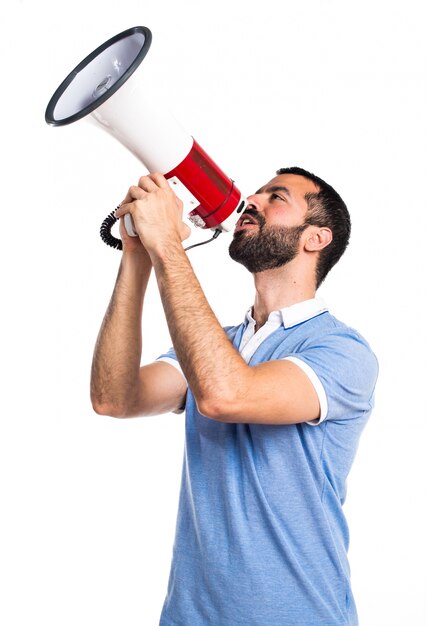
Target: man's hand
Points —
{"points": [[156, 212]]}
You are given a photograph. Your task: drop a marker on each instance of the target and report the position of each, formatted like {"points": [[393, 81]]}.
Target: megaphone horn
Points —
{"points": [[106, 86]]}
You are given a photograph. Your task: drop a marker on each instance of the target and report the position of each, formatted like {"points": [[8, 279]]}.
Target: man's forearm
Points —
{"points": [[208, 360], [117, 356]]}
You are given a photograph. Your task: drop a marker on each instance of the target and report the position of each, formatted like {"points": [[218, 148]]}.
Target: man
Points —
{"points": [[274, 407]]}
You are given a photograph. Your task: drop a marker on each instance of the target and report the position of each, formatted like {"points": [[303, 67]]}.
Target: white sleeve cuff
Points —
{"points": [[177, 366], [174, 362], [315, 381]]}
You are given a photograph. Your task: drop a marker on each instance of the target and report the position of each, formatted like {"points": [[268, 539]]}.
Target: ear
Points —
{"points": [[318, 238]]}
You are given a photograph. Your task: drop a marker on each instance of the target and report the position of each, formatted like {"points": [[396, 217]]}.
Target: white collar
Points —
{"points": [[294, 314]]}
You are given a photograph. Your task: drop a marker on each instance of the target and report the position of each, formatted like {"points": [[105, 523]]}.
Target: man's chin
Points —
{"points": [[239, 234]]}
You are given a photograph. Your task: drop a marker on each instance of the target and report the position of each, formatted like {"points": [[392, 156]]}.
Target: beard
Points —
{"points": [[268, 248]]}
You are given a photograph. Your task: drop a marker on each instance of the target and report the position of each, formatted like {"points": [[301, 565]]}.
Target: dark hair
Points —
{"points": [[325, 208]]}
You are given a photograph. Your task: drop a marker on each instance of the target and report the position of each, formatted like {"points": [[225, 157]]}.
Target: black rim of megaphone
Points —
{"points": [[71, 76]]}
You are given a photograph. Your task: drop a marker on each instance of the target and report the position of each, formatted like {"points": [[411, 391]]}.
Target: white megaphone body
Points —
{"points": [[106, 86]]}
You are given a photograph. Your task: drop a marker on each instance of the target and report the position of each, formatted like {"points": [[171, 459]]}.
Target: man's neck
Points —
{"points": [[277, 289]]}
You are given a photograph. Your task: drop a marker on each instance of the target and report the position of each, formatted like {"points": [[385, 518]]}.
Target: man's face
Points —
{"points": [[268, 233]]}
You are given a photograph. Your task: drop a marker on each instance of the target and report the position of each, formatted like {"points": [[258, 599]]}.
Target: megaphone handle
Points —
{"points": [[130, 226], [110, 240]]}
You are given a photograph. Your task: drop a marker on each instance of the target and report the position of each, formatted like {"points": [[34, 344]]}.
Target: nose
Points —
{"points": [[254, 203]]}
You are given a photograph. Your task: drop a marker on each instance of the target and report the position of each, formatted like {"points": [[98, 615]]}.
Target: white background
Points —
{"points": [[88, 503]]}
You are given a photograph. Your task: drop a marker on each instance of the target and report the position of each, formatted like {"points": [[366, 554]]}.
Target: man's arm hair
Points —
{"points": [[120, 387]]}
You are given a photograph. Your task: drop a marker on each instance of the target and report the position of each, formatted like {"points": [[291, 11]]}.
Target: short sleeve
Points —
{"points": [[170, 357], [346, 370]]}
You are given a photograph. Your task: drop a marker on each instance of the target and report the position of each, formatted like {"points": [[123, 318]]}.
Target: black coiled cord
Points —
{"points": [[105, 232]]}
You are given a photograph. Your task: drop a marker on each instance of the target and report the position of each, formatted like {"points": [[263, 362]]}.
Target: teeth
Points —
{"points": [[246, 222]]}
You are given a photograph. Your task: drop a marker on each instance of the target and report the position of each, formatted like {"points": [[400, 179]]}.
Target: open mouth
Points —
{"points": [[246, 221]]}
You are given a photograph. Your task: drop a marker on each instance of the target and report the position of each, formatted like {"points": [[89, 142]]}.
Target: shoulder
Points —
{"points": [[345, 339], [339, 352], [327, 329]]}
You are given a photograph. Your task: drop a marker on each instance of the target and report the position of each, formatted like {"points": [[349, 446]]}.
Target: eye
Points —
{"points": [[275, 196]]}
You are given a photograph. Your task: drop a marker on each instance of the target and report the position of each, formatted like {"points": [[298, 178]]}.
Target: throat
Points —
{"points": [[259, 322]]}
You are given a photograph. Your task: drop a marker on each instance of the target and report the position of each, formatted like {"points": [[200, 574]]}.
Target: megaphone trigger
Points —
{"points": [[129, 225]]}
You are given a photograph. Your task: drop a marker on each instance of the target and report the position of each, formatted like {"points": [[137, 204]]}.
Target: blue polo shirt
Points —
{"points": [[261, 537]]}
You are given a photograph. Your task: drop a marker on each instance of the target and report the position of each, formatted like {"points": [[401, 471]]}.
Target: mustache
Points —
{"points": [[254, 213]]}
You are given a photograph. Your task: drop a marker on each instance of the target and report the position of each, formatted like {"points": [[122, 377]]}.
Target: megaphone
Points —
{"points": [[106, 87]]}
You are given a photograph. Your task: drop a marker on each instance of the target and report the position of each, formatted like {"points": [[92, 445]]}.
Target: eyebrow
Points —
{"points": [[275, 188]]}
